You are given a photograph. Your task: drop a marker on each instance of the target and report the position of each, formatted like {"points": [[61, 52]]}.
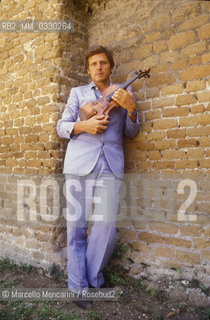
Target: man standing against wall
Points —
{"points": [[94, 168]]}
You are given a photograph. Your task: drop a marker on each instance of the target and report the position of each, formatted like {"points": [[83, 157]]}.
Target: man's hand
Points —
{"points": [[94, 125], [125, 99]]}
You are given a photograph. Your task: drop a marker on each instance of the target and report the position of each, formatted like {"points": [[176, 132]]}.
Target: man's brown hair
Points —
{"points": [[98, 49]]}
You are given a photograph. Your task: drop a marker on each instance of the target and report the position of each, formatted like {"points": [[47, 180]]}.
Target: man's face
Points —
{"points": [[99, 67]]}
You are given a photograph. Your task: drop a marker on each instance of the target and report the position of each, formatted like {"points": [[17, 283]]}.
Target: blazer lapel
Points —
{"points": [[90, 92]]}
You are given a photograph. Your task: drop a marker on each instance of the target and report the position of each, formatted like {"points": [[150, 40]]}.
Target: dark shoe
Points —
{"points": [[83, 304], [104, 285]]}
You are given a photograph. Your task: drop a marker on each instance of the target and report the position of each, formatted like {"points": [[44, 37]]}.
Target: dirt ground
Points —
{"points": [[136, 300]]}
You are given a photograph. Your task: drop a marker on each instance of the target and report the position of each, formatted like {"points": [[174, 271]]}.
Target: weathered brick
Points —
{"points": [[204, 119], [197, 109], [31, 138], [151, 238], [195, 85], [151, 61], [205, 163], [174, 154], [195, 153], [181, 39], [184, 164], [164, 252], [205, 58], [194, 231], [178, 65], [158, 80], [165, 124], [163, 102], [194, 22], [166, 144], [11, 162], [195, 60], [194, 132], [205, 254], [175, 89], [204, 141], [204, 31], [176, 133], [34, 163], [187, 257], [158, 135], [163, 227], [175, 112], [185, 99], [141, 247], [192, 121], [145, 165], [198, 72], [152, 93], [207, 232], [203, 96], [143, 51], [186, 9], [201, 243], [154, 114], [153, 36], [193, 49], [127, 234], [11, 131], [159, 46], [187, 143], [7, 140], [172, 264], [160, 68], [154, 155], [168, 56]]}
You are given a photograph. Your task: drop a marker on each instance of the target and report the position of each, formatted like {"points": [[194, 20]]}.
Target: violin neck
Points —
{"points": [[128, 82], [123, 86]]}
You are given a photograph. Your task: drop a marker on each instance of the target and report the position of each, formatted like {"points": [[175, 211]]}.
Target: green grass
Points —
{"points": [[43, 311], [36, 311], [206, 314], [56, 272], [8, 284], [6, 264], [114, 272], [94, 315]]}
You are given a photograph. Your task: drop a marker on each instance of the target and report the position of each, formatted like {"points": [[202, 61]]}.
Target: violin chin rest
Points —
{"points": [[82, 114], [85, 114], [91, 113]]}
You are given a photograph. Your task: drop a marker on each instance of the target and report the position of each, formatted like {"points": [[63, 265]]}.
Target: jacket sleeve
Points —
{"points": [[131, 128], [70, 115]]}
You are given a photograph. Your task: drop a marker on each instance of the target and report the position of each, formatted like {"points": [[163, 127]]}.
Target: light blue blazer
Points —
{"points": [[83, 150]]}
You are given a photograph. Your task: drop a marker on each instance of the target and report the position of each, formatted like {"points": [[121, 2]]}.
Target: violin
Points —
{"points": [[105, 104]]}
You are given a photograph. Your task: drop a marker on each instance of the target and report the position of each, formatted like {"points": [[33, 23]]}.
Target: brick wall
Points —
{"points": [[171, 152], [173, 145], [37, 71]]}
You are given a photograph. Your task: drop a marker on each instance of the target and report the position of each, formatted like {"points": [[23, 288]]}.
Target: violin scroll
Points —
{"points": [[143, 74]]}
